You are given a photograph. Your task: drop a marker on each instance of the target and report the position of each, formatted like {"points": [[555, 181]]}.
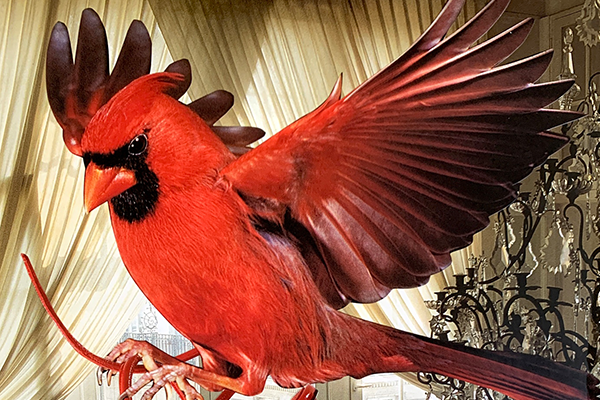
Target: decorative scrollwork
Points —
{"points": [[494, 306], [588, 22]]}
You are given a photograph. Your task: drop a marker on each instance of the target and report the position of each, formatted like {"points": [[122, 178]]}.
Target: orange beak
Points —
{"points": [[102, 184]]}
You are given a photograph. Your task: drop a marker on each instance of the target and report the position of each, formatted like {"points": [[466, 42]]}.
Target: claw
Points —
{"points": [[186, 390], [99, 374], [109, 377]]}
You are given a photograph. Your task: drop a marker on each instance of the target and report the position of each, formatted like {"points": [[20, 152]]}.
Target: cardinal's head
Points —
{"points": [[143, 145]]}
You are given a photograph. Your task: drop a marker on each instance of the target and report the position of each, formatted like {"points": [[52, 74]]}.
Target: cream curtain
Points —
{"points": [[41, 213], [280, 58]]}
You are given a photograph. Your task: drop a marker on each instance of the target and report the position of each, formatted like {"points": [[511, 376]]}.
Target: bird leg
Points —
{"points": [[163, 369]]}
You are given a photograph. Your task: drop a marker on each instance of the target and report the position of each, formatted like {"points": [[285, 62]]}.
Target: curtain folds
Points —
{"points": [[41, 212], [280, 58]]}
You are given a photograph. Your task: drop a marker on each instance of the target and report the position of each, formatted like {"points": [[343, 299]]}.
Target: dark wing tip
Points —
{"points": [[59, 38], [90, 14], [438, 28]]}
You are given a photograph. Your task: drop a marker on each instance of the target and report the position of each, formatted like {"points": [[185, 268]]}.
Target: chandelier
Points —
{"points": [[494, 305]]}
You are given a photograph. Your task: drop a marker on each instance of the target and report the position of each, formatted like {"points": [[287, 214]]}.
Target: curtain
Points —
{"points": [[280, 58], [41, 212]]}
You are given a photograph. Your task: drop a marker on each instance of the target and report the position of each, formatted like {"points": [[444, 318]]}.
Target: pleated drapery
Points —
{"points": [[41, 212], [280, 58]]}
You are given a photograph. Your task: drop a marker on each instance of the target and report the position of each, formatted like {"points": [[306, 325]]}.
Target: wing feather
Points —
{"points": [[390, 179]]}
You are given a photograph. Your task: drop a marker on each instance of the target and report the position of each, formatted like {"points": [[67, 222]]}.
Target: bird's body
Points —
{"points": [[214, 316], [250, 258], [246, 296]]}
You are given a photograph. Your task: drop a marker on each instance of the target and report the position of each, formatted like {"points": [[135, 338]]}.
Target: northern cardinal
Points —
{"points": [[250, 257]]}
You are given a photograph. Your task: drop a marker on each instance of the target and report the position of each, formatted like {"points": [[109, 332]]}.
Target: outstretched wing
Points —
{"points": [[76, 90], [383, 184]]}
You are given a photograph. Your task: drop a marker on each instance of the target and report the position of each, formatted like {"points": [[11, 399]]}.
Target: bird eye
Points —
{"points": [[138, 145]]}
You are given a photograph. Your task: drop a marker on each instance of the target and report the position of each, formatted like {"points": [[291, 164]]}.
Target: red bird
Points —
{"points": [[250, 257]]}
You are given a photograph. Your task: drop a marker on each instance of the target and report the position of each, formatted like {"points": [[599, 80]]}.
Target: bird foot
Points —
{"points": [[151, 357], [163, 369], [160, 377], [135, 348]]}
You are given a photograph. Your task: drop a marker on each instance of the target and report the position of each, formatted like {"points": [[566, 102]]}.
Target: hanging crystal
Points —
{"points": [[596, 216], [538, 194], [556, 238], [586, 303], [586, 131], [535, 341], [511, 237], [569, 256], [587, 223], [505, 238], [575, 265], [534, 262], [568, 72], [496, 260]]}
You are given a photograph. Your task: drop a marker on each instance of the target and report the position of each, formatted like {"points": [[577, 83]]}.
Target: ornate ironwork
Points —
{"points": [[588, 23], [495, 306], [515, 317]]}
